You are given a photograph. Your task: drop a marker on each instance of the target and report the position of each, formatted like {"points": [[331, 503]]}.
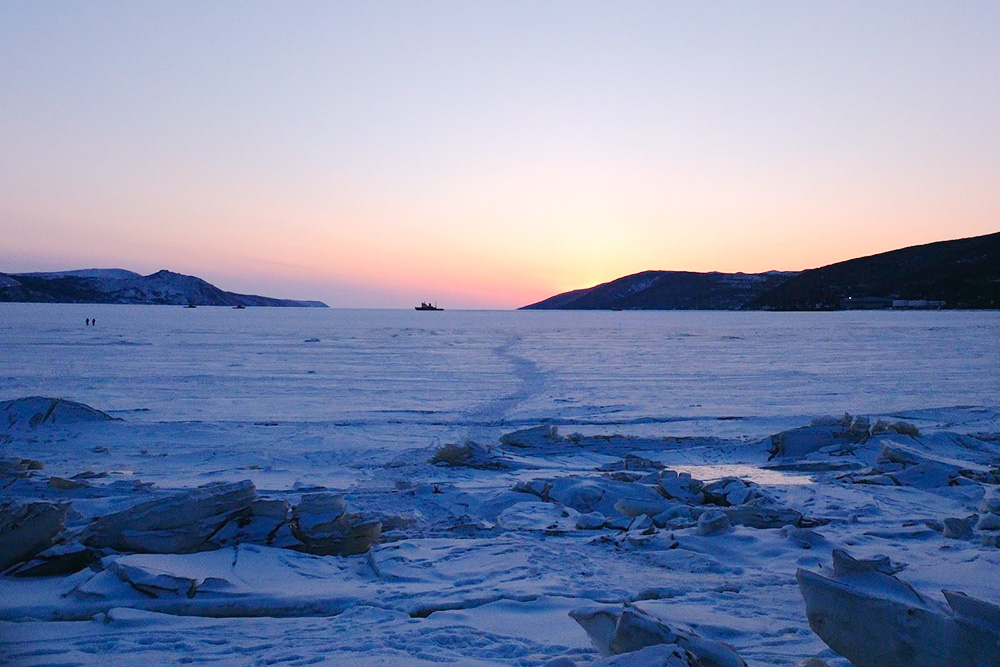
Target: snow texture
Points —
{"points": [[497, 488]]}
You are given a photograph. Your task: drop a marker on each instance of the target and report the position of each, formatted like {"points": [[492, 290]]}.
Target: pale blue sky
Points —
{"points": [[489, 154]]}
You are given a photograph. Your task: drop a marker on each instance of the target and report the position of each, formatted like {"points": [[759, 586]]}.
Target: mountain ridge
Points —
{"points": [[120, 286], [960, 273]]}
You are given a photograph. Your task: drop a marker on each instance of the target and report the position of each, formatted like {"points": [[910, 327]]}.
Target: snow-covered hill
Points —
{"points": [[121, 286], [669, 290], [962, 273]]}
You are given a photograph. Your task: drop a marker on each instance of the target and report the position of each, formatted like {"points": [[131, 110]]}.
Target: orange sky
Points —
{"points": [[489, 157]]}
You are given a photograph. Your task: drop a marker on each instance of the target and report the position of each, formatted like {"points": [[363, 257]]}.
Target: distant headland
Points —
{"points": [[960, 274], [127, 287]]}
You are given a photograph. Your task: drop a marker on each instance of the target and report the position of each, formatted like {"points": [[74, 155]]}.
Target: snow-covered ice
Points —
{"points": [[669, 472]]}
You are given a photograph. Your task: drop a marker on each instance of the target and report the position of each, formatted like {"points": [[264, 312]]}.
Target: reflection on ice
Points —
{"points": [[762, 476]]}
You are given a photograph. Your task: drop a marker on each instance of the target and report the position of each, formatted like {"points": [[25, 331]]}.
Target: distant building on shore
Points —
{"points": [[918, 304], [885, 303], [865, 303]]}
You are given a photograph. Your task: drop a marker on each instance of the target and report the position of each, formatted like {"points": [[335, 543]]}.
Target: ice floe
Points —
{"points": [[668, 552], [868, 615], [35, 411]]}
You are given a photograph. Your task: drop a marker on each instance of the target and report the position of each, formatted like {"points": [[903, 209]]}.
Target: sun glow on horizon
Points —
{"points": [[487, 156]]}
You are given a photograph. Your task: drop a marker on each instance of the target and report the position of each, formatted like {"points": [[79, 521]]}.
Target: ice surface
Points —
{"points": [[483, 555]]}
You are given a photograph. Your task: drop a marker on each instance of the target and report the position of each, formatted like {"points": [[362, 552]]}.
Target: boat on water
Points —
{"points": [[239, 306], [426, 306], [190, 305]]}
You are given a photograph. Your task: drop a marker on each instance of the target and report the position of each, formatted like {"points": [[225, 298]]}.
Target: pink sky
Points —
{"points": [[489, 156]]}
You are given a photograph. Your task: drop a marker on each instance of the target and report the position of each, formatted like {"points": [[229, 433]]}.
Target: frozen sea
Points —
{"points": [[454, 370], [357, 401]]}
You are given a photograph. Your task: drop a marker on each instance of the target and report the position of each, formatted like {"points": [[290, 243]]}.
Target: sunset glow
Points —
{"points": [[489, 156]]}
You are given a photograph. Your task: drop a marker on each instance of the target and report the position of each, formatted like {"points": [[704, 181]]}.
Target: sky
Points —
{"points": [[489, 154]]}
